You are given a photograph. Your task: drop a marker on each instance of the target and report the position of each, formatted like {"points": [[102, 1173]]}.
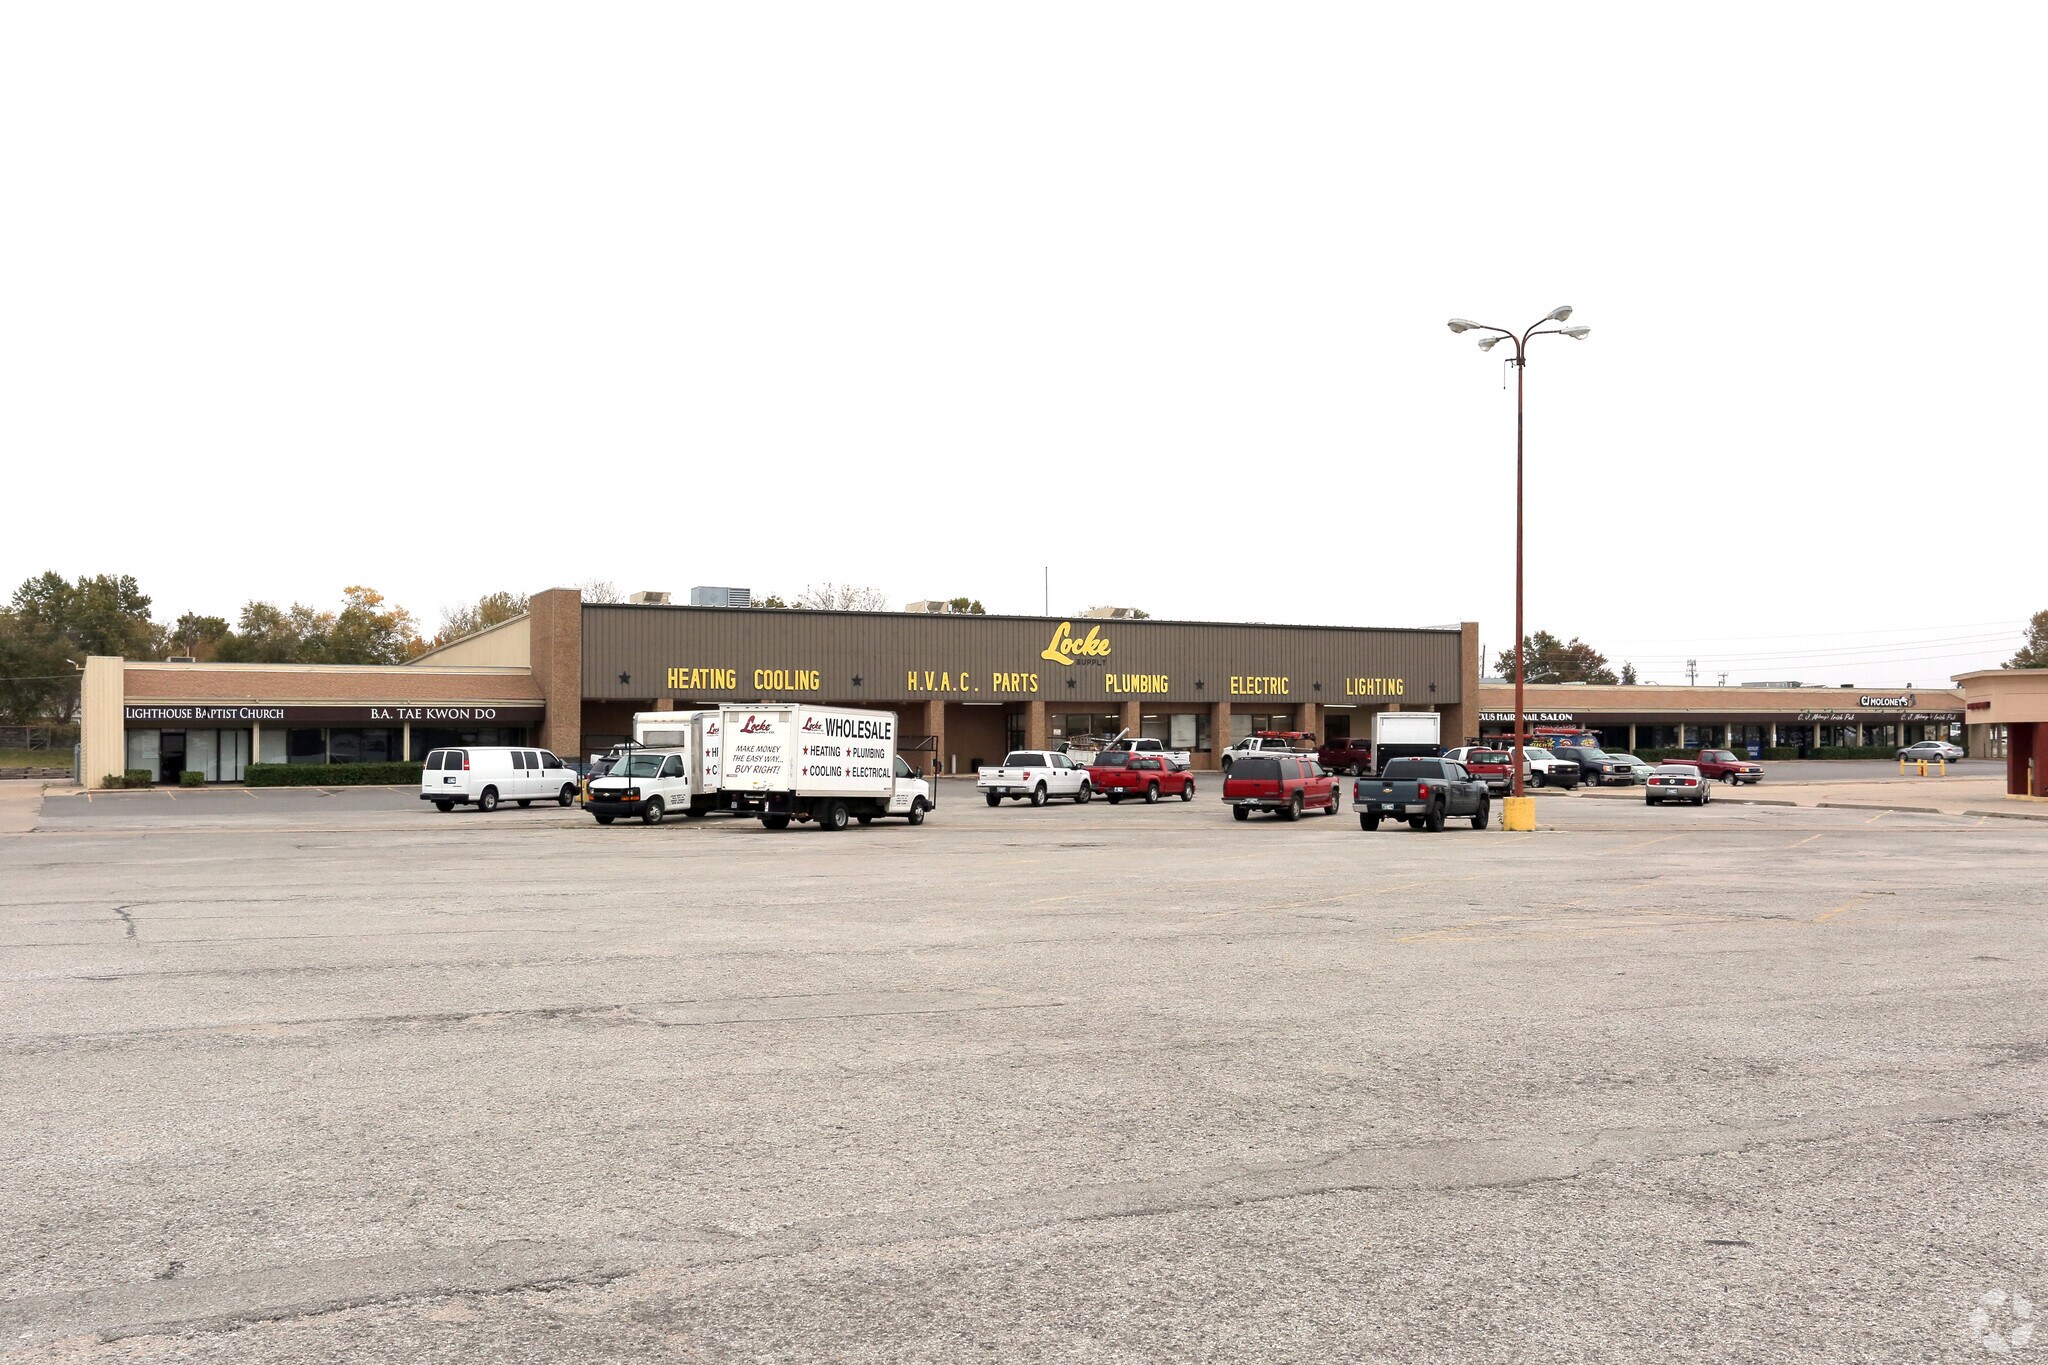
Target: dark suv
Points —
{"points": [[1595, 767]]}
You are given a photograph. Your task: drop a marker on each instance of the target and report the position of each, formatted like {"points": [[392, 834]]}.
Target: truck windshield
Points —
{"points": [[638, 765], [1720, 756], [1592, 753], [1410, 769]]}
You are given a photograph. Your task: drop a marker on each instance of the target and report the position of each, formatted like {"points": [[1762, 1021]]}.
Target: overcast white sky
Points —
{"points": [[450, 298]]}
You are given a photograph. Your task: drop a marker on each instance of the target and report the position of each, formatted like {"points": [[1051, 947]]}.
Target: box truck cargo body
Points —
{"points": [[792, 762], [1406, 734]]}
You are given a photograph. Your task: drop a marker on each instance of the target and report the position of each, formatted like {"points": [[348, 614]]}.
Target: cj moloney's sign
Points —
{"points": [[1904, 703], [202, 713], [1539, 717]]}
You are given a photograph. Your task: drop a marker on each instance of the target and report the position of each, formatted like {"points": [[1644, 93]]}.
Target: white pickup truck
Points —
{"points": [[1179, 758], [1034, 775], [1264, 746]]}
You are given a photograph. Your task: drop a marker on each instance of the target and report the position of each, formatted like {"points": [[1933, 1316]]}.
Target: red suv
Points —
{"points": [[1285, 786]]}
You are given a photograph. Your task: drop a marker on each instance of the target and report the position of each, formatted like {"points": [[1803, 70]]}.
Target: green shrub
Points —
{"points": [[189, 778], [136, 777], [332, 774], [1854, 751]]}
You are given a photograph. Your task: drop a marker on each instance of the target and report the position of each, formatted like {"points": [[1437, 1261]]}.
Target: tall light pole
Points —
{"points": [[1521, 363]]}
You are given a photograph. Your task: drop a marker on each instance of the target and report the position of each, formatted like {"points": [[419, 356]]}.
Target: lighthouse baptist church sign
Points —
{"points": [[198, 714]]}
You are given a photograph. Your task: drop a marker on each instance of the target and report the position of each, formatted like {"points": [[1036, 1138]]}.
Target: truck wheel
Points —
{"points": [[1152, 793], [1293, 811], [524, 804], [1240, 813], [650, 814], [1416, 822], [1226, 765], [444, 806], [1038, 795], [1536, 779], [833, 817], [1187, 793], [604, 819], [1650, 800], [1114, 797], [1085, 795], [1368, 823], [917, 810], [1434, 822], [865, 819], [488, 801], [567, 795], [1336, 800], [1485, 809], [775, 822], [994, 800]]}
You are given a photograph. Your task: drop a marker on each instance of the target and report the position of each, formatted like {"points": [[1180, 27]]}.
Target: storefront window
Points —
{"points": [[362, 746], [1177, 730], [1245, 724], [305, 746], [1081, 725]]}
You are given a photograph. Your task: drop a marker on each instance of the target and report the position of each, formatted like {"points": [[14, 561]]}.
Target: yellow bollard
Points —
{"points": [[1923, 767], [1518, 813]]}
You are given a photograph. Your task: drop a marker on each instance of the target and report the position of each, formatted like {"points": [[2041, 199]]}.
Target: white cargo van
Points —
{"points": [[486, 776], [791, 762]]}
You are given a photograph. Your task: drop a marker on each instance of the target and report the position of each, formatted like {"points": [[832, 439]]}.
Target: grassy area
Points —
{"points": [[36, 758]]}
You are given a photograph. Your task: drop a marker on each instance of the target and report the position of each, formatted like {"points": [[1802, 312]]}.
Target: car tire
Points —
{"points": [[444, 806], [994, 800], [1226, 765], [604, 819], [1240, 813], [1537, 778], [917, 810], [1434, 821], [1187, 793], [1416, 822], [1369, 823], [1085, 795], [775, 822], [487, 800], [1336, 801], [650, 814], [567, 795], [1038, 795], [1151, 793], [1649, 800], [833, 817], [1114, 798], [1485, 812], [865, 820], [1293, 811]]}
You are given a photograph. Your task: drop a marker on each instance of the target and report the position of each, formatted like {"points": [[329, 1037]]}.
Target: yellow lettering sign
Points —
{"points": [[1134, 682], [768, 680], [1015, 682], [1375, 687], [1259, 687], [703, 679], [1064, 648]]}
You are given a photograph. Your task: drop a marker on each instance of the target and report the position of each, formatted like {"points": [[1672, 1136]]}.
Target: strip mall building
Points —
{"points": [[569, 675]]}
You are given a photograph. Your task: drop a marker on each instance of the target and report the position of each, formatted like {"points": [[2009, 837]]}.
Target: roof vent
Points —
{"points": [[648, 599]]}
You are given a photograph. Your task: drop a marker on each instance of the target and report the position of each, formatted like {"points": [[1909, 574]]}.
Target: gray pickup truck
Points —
{"points": [[1423, 791]]}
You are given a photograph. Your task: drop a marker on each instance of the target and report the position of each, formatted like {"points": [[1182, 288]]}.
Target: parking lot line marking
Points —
{"points": [[1877, 817], [1850, 904], [1644, 844], [1807, 840]]}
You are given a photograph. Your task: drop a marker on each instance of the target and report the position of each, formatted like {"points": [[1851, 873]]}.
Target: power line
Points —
{"points": [[1828, 634]]}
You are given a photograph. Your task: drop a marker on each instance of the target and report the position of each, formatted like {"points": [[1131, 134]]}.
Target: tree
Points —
{"points": [[1548, 659], [600, 590], [2034, 653], [842, 597], [199, 636], [1628, 675], [99, 615], [369, 631], [967, 606], [770, 603], [265, 633], [492, 609]]}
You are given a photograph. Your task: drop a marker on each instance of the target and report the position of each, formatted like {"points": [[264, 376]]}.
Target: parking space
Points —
{"points": [[302, 1074]]}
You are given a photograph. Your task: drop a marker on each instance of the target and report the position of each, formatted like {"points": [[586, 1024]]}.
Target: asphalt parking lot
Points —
{"points": [[297, 1077]]}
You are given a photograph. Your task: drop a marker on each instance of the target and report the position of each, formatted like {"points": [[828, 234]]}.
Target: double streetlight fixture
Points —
{"points": [[1521, 362]]}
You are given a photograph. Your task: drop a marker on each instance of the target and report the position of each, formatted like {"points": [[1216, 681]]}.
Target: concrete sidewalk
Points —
{"points": [[1938, 795], [20, 802]]}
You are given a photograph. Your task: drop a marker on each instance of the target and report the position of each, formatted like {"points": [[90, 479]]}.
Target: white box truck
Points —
{"points": [[785, 762], [1406, 734], [645, 784]]}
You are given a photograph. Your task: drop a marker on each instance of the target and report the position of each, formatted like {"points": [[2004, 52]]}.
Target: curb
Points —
{"points": [[2008, 814], [1911, 810], [1759, 801]]}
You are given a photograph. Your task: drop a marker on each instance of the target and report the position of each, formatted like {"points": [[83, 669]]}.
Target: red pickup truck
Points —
{"points": [[1720, 764], [1119, 773], [1353, 756], [1285, 786]]}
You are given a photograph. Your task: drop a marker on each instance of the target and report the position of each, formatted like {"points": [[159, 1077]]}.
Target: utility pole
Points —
{"points": [[1692, 672]]}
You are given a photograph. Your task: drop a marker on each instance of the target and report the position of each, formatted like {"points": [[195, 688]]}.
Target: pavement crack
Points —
{"points": [[126, 918]]}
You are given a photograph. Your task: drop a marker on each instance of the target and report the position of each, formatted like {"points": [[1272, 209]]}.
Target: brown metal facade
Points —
{"points": [[715, 653]]}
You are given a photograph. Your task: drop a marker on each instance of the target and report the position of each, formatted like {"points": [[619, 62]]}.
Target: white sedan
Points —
{"points": [[1034, 775], [1931, 749]]}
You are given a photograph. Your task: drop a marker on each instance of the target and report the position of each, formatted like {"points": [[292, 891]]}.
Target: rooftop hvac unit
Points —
{"points": [[933, 608], [181, 659], [648, 599], [1113, 613], [721, 597]]}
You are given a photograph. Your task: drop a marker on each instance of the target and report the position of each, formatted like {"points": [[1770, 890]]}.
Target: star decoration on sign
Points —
{"points": [[625, 678], [1071, 682], [1198, 684], [856, 680], [1319, 687]]}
